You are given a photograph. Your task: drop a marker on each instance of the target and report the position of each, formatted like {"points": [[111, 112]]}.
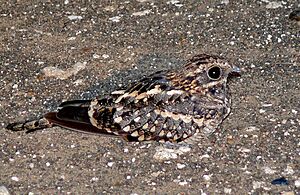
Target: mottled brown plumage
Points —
{"points": [[171, 105]]}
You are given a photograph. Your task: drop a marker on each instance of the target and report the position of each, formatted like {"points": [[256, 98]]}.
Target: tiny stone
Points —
{"points": [[227, 190], [115, 19], [257, 184], [14, 178], [71, 38], [96, 56], [105, 56], [266, 105], [133, 160], [245, 150], [75, 17], [289, 170], [269, 170], [110, 164], [294, 111], [183, 183], [225, 2], [31, 165], [251, 128], [15, 86], [141, 13], [206, 177], [95, 179], [180, 166], [273, 5], [261, 111]]}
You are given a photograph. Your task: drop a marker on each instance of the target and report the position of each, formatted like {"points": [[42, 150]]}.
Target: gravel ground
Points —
{"points": [[52, 52]]}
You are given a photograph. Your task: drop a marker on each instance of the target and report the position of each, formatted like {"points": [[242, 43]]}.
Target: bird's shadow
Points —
{"points": [[121, 79]]}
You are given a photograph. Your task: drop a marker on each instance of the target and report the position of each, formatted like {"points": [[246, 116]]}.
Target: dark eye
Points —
{"points": [[214, 72]]}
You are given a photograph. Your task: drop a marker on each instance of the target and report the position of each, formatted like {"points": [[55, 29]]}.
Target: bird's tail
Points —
{"points": [[30, 126]]}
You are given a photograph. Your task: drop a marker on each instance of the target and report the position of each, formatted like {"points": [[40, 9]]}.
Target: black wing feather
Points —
{"points": [[76, 111], [73, 125]]}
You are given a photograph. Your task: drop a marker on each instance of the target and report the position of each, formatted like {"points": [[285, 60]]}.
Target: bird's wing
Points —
{"points": [[151, 109], [73, 115], [97, 116]]}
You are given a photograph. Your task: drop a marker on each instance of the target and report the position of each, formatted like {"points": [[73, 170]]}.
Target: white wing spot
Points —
{"points": [[137, 119], [145, 126], [127, 128], [161, 133], [154, 91], [152, 129], [141, 138], [118, 119], [135, 134]]}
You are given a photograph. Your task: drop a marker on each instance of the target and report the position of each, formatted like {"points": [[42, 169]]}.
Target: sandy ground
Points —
{"points": [[52, 52]]}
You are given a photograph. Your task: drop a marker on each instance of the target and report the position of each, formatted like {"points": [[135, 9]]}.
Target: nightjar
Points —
{"points": [[171, 105]]}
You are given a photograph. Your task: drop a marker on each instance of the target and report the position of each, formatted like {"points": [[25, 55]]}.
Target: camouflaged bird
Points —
{"points": [[170, 105]]}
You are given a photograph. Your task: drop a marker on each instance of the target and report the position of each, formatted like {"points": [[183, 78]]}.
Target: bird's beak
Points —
{"points": [[235, 71]]}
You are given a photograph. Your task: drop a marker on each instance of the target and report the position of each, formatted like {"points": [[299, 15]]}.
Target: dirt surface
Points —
{"points": [[52, 52]]}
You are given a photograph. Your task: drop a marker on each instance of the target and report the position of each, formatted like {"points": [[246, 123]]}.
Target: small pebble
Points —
{"points": [[273, 5], [227, 191], [180, 166], [105, 56], [163, 153], [110, 164], [75, 17], [14, 178], [95, 179], [206, 177], [96, 56], [183, 183], [115, 19]]}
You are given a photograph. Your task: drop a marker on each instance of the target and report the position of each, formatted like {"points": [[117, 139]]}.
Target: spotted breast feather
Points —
{"points": [[171, 105]]}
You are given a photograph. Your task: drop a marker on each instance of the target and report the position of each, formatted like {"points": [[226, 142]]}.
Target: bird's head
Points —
{"points": [[205, 71], [211, 68]]}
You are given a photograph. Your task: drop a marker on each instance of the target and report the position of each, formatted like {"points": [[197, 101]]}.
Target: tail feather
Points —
{"points": [[74, 125], [72, 115], [30, 126]]}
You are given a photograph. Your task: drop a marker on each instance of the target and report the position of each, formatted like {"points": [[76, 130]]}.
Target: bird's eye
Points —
{"points": [[214, 72]]}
